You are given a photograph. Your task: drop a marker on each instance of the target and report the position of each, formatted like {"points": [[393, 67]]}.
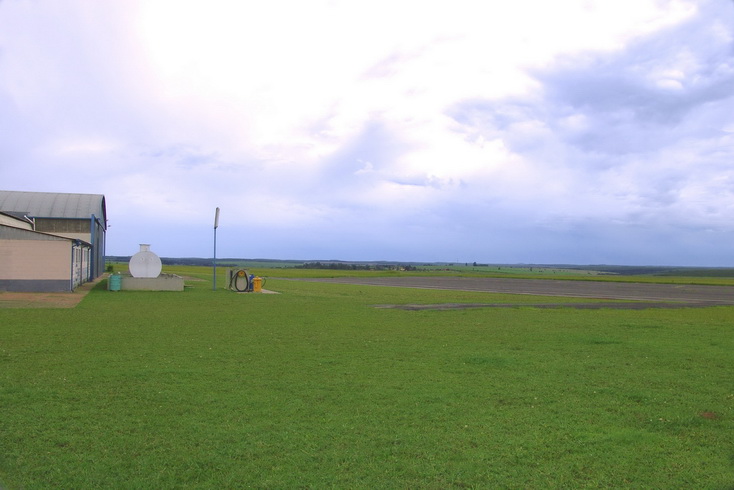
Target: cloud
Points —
{"points": [[523, 131], [627, 145]]}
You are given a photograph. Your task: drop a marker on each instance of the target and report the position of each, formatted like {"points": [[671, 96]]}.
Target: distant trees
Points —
{"points": [[355, 267]]}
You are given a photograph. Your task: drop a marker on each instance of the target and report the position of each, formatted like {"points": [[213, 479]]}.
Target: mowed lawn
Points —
{"points": [[316, 388]]}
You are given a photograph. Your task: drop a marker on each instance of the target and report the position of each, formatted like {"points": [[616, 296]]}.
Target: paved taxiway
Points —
{"points": [[652, 293]]}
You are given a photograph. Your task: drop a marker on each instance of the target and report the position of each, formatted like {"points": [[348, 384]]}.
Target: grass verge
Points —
{"points": [[315, 388]]}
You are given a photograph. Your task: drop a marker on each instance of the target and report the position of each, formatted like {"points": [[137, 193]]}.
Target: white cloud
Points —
{"points": [[513, 125]]}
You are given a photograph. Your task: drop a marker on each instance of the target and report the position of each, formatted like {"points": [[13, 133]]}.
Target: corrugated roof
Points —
{"points": [[54, 204]]}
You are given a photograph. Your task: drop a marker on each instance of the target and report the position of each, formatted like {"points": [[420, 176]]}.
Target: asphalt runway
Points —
{"points": [[644, 295]]}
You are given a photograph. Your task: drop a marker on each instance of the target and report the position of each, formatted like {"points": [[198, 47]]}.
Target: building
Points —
{"points": [[51, 241]]}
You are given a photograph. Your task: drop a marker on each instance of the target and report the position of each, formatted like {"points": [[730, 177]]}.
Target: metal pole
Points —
{"points": [[216, 224]]}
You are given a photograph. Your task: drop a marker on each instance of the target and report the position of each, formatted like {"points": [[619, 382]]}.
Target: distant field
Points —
{"points": [[590, 272], [315, 387]]}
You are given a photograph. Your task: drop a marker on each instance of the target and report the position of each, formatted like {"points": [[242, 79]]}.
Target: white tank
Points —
{"points": [[145, 263]]}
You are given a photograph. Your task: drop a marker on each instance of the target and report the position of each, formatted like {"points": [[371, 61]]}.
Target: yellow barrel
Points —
{"points": [[257, 284]]}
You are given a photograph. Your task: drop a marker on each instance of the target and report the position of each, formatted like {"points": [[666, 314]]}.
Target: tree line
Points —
{"points": [[355, 267]]}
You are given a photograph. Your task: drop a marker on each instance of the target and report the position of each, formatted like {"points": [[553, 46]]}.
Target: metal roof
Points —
{"points": [[54, 205], [12, 233]]}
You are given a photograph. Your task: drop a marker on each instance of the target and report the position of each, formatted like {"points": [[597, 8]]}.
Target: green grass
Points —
{"points": [[316, 388], [506, 272], [477, 272]]}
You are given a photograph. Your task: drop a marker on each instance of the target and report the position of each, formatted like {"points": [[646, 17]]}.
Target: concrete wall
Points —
{"points": [[164, 282]]}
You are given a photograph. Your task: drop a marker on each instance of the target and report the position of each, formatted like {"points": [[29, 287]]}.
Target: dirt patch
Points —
{"points": [[9, 299]]}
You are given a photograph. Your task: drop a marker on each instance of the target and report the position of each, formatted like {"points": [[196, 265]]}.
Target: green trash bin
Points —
{"points": [[115, 282]]}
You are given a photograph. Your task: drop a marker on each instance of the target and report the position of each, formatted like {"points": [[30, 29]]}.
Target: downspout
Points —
{"points": [[71, 278], [93, 258], [99, 245], [103, 255], [32, 221]]}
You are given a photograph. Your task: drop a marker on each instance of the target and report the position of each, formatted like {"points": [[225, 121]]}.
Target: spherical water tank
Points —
{"points": [[145, 263]]}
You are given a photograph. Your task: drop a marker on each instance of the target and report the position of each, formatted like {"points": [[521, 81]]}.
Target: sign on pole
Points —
{"points": [[216, 225]]}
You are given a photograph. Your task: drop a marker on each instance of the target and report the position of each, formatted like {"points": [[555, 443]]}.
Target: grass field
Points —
{"points": [[316, 388]]}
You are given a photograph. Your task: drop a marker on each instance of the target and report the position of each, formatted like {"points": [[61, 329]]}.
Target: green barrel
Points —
{"points": [[115, 282]]}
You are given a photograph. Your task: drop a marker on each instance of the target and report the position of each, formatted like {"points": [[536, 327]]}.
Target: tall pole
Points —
{"points": [[216, 225]]}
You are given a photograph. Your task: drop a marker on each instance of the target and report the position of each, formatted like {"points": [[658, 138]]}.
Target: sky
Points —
{"points": [[566, 132]]}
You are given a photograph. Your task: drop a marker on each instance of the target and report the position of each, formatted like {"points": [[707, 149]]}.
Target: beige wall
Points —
{"points": [[7, 220], [35, 259]]}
